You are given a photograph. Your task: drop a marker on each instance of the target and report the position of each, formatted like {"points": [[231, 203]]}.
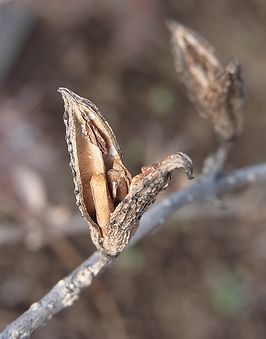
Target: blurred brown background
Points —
{"points": [[201, 276]]}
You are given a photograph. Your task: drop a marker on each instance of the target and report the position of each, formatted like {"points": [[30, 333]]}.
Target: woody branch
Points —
{"points": [[67, 290]]}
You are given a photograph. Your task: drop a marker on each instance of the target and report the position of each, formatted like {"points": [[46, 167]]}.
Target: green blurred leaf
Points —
{"points": [[226, 295]]}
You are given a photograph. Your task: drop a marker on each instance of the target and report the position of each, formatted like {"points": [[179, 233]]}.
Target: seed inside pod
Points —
{"points": [[100, 177]]}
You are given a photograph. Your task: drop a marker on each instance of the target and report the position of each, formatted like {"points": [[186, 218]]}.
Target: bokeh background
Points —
{"points": [[203, 275]]}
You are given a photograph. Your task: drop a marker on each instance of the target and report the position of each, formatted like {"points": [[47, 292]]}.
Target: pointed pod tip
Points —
{"points": [[174, 26], [64, 91], [170, 24], [68, 96]]}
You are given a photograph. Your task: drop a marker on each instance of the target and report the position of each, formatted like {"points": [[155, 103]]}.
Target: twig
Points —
{"points": [[201, 190], [214, 164], [67, 290], [12, 234]]}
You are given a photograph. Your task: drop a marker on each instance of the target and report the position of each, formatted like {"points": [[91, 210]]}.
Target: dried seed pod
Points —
{"points": [[215, 90], [95, 157], [109, 199]]}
